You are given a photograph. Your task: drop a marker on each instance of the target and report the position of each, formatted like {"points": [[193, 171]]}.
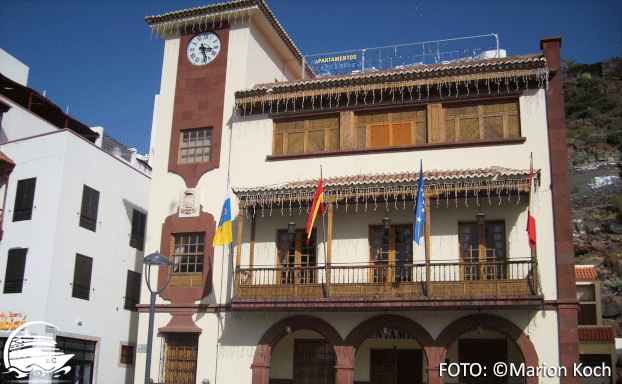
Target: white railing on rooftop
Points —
{"points": [[365, 60]]}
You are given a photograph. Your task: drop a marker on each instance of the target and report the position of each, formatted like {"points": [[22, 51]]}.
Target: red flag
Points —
{"points": [[531, 229], [531, 222], [316, 208]]}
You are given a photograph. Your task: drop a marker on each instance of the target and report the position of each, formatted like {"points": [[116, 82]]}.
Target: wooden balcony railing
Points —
{"points": [[515, 277]]}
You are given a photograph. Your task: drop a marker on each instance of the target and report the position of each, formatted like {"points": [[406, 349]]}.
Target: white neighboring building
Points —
{"points": [[71, 248]]}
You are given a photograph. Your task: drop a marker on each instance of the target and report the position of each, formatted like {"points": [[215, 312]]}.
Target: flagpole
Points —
{"points": [[327, 293]]}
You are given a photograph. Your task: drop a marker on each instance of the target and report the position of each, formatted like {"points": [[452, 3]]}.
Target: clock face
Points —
{"points": [[203, 48]]}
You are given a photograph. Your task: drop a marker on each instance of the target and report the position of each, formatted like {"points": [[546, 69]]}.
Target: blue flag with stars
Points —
{"points": [[420, 207]]}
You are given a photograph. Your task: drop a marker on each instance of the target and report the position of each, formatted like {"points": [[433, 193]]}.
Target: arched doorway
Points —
{"points": [[303, 336], [390, 349], [487, 339]]}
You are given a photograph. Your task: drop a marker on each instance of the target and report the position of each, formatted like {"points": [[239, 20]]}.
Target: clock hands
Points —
{"points": [[204, 49]]}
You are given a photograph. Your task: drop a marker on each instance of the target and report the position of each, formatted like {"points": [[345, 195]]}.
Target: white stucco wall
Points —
{"points": [[19, 123], [13, 68], [63, 162]]}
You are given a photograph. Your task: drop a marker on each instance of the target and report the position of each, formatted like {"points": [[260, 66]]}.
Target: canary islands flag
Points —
{"points": [[223, 232]]}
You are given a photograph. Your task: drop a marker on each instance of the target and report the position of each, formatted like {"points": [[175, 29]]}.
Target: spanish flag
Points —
{"points": [[316, 208], [223, 232]]}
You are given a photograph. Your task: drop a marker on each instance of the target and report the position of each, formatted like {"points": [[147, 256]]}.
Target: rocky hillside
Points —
{"points": [[594, 121]]}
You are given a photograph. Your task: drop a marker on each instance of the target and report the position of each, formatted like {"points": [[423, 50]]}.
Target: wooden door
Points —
{"points": [[395, 366], [486, 352]]}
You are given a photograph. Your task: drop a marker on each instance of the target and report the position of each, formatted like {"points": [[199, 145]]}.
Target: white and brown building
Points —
{"points": [[359, 303]]}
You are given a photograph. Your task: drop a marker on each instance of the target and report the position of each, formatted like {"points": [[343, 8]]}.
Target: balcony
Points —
{"points": [[433, 280]]}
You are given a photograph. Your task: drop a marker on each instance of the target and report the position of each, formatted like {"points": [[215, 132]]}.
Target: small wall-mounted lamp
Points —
{"points": [[386, 222], [385, 330], [291, 227], [288, 329], [481, 218]]}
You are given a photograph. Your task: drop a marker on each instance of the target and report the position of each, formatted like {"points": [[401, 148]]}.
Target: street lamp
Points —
{"points": [[157, 260]]}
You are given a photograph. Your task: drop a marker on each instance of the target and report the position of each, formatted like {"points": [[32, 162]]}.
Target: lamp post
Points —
{"points": [[159, 260]]}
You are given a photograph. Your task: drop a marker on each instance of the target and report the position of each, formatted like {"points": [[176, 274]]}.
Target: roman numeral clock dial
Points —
{"points": [[203, 48]]}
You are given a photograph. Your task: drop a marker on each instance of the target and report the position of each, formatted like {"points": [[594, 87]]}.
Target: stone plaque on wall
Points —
{"points": [[190, 202]]}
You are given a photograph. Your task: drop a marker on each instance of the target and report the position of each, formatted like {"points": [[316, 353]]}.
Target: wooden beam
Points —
{"points": [[253, 227], [238, 258]]}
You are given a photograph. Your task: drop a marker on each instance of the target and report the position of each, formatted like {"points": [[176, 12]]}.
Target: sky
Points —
{"points": [[100, 59]]}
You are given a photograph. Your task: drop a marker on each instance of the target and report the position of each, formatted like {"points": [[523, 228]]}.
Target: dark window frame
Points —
{"points": [[132, 290], [127, 353], [82, 274], [294, 255], [393, 250], [89, 208], [24, 199], [476, 262], [15, 270], [137, 236]]}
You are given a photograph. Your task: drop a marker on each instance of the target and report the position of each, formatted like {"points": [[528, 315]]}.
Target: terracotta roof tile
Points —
{"points": [[585, 272], [387, 178], [596, 334], [402, 73]]}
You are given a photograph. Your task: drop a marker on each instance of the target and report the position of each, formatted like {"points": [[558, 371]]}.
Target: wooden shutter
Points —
{"points": [[15, 266], [24, 199], [401, 133], [90, 204], [379, 135], [132, 290], [137, 238], [82, 277]]}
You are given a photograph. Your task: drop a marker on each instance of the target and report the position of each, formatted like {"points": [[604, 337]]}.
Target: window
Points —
{"points": [[189, 250], [127, 355], [181, 358], [82, 277], [132, 290], [391, 128], [588, 315], [482, 250], [314, 362], [137, 237], [484, 121], [296, 257], [83, 359], [15, 265], [24, 199], [90, 204], [391, 248], [195, 145], [310, 135]]}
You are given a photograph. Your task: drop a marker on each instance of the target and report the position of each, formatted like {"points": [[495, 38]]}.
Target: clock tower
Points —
{"points": [[210, 53]]}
